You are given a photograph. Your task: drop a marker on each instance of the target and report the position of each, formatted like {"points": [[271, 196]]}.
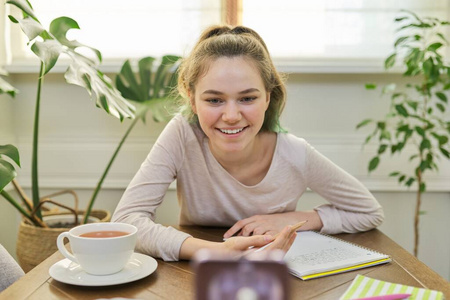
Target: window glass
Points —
{"points": [[330, 28], [295, 30], [134, 28]]}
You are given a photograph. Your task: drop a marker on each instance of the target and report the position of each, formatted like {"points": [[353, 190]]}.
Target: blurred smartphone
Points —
{"points": [[263, 276]]}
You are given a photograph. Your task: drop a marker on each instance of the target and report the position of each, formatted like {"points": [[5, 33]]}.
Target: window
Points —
{"points": [[123, 29], [330, 29], [297, 32]]}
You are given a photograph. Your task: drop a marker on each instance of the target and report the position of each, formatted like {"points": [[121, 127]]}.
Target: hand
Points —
{"points": [[274, 223], [261, 224], [283, 241], [240, 243]]}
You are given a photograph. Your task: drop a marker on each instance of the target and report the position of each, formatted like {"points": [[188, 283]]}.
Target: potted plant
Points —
{"points": [[417, 118], [49, 45]]}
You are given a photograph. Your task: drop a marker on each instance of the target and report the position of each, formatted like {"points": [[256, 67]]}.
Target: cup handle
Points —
{"points": [[62, 248]]}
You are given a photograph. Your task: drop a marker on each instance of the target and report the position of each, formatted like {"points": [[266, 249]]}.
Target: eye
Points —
{"points": [[248, 99], [214, 101]]}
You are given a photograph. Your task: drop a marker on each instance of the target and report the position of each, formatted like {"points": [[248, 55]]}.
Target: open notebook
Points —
{"points": [[316, 255]]}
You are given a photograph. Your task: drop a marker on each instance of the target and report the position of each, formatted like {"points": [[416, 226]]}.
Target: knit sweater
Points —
{"points": [[209, 196]]}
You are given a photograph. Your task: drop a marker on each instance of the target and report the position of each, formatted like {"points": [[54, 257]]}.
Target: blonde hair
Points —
{"points": [[227, 41]]}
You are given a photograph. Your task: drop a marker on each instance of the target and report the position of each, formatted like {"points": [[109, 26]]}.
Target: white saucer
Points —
{"points": [[138, 267]]}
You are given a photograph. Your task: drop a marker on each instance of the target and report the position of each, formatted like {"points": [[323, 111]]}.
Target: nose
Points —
{"points": [[231, 113]]}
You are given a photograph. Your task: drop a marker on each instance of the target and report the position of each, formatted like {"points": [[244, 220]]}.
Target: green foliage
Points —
{"points": [[417, 115], [151, 91], [7, 170], [151, 87], [5, 87], [48, 45]]}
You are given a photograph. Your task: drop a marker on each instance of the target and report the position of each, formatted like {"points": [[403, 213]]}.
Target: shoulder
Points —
{"points": [[180, 126], [291, 144]]}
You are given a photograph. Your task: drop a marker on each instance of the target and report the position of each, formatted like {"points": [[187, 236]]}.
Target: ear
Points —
{"points": [[192, 101], [267, 100]]}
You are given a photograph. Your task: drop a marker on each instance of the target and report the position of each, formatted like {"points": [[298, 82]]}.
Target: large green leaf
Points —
{"points": [[24, 6], [149, 89], [48, 51], [7, 171], [100, 87], [5, 87], [30, 27], [59, 28], [82, 70]]}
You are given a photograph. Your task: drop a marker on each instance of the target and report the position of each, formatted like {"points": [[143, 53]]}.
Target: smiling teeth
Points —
{"points": [[231, 131]]}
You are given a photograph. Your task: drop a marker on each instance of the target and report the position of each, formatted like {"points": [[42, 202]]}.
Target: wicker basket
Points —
{"points": [[35, 244]]}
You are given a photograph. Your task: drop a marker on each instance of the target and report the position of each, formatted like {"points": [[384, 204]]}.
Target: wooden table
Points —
{"points": [[174, 280]]}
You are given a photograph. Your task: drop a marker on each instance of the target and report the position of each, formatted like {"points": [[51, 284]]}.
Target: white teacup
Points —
{"points": [[100, 255]]}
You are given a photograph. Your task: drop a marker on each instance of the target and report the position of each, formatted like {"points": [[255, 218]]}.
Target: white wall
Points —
{"points": [[77, 140]]}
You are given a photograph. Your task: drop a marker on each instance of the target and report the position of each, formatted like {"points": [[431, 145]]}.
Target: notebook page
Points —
{"points": [[313, 252]]}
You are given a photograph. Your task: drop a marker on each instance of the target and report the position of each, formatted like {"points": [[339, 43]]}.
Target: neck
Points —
{"points": [[239, 159]]}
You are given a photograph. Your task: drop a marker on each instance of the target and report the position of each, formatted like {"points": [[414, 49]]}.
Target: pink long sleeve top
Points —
{"points": [[208, 195]]}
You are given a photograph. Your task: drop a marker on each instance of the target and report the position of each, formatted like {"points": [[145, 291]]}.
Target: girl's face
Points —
{"points": [[230, 101]]}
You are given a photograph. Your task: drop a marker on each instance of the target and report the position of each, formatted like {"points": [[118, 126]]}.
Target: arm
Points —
{"points": [[240, 244], [147, 190], [351, 208], [272, 224]]}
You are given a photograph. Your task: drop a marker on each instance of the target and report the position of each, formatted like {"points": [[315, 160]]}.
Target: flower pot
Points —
{"points": [[35, 244]]}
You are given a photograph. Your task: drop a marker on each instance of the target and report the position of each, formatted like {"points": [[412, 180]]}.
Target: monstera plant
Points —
{"points": [[148, 90], [48, 45]]}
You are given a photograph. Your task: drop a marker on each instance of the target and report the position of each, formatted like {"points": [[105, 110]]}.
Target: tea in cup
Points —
{"points": [[100, 248]]}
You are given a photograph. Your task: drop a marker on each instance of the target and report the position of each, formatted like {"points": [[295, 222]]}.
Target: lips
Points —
{"points": [[232, 131]]}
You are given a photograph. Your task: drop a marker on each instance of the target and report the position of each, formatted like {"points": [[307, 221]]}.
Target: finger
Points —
{"points": [[249, 229], [259, 231], [243, 243], [283, 239], [271, 232], [236, 227], [288, 243], [260, 240]]}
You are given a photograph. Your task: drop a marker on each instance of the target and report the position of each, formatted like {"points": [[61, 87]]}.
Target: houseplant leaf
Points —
{"points": [[148, 88], [418, 112], [82, 70], [139, 87], [7, 170], [100, 87], [25, 6], [5, 87]]}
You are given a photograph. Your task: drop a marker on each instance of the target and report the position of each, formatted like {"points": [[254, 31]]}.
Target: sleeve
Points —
{"points": [[352, 207], [146, 192]]}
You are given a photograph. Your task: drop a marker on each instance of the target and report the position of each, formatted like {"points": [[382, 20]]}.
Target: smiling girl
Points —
{"points": [[233, 163]]}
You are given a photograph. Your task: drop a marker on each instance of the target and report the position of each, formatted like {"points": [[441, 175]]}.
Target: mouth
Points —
{"points": [[232, 131]]}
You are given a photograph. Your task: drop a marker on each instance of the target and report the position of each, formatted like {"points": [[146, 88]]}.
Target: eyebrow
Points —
{"points": [[214, 92]]}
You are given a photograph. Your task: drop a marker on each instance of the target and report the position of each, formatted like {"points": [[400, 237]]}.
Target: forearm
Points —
{"points": [[238, 244], [314, 220], [191, 245], [336, 220]]}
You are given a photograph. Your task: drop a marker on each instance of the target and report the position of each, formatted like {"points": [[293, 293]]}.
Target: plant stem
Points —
{"points": [[34, 159], [100, 182], [11, 200], [417, 214]]}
